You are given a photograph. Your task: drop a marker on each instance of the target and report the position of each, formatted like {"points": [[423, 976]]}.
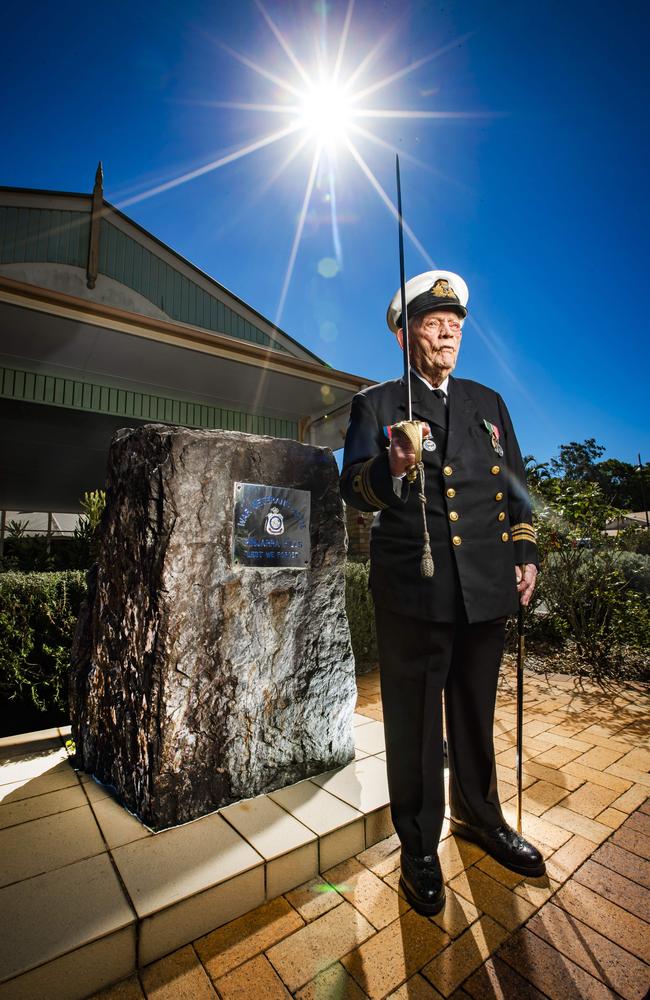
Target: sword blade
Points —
{"points": [[405, 321]]}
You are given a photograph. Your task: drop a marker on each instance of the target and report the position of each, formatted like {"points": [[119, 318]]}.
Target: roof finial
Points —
{"points": [[96, 212], [99, 180]]}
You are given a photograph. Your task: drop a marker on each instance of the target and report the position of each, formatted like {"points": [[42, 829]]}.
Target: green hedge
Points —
{"points": [[38, 615], [361, 618], [38, 554]]}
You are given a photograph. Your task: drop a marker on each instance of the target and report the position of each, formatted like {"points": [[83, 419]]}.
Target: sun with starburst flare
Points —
{"points": [[321, 107]]}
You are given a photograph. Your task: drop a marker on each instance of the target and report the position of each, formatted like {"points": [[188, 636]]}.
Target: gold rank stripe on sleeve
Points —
{"points": [[362, 485], [523, 533]]}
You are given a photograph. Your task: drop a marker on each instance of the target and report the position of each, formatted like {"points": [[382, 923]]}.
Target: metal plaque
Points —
{"points": [[271, 527]]}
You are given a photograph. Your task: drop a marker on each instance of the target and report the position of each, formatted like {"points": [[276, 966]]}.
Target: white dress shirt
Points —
{"points": [[444, 385]]}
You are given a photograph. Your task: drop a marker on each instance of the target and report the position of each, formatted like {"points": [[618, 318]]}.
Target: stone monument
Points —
{"points": [[212, 658]]}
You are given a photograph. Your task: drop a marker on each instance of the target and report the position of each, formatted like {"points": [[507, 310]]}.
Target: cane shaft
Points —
{"points": [[520, 710]]}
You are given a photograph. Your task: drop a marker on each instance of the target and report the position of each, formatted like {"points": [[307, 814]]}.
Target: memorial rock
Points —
{"points": [[198, 681]]}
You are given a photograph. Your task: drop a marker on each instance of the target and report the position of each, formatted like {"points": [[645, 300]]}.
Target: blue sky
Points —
{"points": [[539, 199]]}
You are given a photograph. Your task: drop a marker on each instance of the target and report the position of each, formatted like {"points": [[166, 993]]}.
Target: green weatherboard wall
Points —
{"points": [[122, 258], [35, 235], [42, 235], [77, 394]]}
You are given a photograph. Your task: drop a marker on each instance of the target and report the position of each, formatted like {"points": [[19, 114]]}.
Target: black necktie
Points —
{"points": [[440, 407]]}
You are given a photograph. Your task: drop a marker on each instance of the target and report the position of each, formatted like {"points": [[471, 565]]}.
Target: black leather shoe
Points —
{"points": [[505, 845], [421, 882]]}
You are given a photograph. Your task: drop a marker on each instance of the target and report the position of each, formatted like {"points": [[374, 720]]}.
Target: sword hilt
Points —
{"points": [[413, 431]]}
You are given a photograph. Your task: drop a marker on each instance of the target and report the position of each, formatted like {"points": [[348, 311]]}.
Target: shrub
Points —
{"points": [[589, 599], [38, 615], [634, 540], [86, 534], [592, 597], [38, 554], [361, 617], [635, 568]]}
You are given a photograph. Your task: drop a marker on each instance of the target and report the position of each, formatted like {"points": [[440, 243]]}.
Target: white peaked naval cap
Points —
{"points": [[426, 292]]}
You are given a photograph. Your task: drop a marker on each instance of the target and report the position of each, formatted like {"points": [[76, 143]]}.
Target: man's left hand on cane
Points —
{"points": [[526, 577]]}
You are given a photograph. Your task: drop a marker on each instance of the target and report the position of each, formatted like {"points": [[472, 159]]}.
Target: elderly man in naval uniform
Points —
{"points": [[446, 632]]}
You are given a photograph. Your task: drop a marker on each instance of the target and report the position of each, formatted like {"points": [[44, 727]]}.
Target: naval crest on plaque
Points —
{"points": [[274, 522], [271, 526]]}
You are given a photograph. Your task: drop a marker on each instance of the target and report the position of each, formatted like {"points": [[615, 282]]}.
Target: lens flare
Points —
{"points": [[328, 267]]}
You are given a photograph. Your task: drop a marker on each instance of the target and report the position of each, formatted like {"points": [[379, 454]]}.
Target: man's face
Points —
{"points": [[434, 341]]}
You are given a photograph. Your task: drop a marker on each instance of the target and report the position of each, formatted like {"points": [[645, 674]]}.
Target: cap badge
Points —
{"points": [[494, 433], [443, 290]]}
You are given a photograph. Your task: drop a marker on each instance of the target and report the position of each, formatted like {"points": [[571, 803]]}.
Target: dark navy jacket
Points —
{"points": [[478, 508]]}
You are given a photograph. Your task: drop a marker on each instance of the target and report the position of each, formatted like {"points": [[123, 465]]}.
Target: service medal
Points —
{"points": [[429, 444], [493, 431]]}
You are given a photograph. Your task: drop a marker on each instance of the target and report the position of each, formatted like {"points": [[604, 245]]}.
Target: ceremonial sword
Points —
{"points": [[405, 321], [413, 429]]}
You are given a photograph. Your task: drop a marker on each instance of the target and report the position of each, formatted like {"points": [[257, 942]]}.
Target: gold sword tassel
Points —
{"points": [[413, 431]]}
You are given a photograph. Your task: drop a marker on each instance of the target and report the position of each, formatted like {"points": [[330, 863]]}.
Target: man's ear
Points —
{"points": [[400, 338]]}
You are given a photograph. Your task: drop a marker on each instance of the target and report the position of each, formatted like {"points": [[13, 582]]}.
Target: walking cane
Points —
{"points": [[520, 708]]}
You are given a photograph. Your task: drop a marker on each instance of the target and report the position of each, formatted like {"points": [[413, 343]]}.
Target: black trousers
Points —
{"points": [[418, 660]]}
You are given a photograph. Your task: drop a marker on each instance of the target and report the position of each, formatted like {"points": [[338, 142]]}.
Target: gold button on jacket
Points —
{"points": [[505, 536], [447, 470], [451, 493], [453, 515], [457, 540], [495, 470], [502, 516], [499, 496]]}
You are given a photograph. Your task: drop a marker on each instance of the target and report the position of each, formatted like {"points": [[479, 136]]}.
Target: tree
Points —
{"points": [[578, 461], [621, 483], [536, 472]]}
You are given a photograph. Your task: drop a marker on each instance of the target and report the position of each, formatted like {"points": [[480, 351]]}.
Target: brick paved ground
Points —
{"points": [[580, 932]]}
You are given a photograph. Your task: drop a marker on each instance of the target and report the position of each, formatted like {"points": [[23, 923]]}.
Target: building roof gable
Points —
{"points": [[39, 227]]}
